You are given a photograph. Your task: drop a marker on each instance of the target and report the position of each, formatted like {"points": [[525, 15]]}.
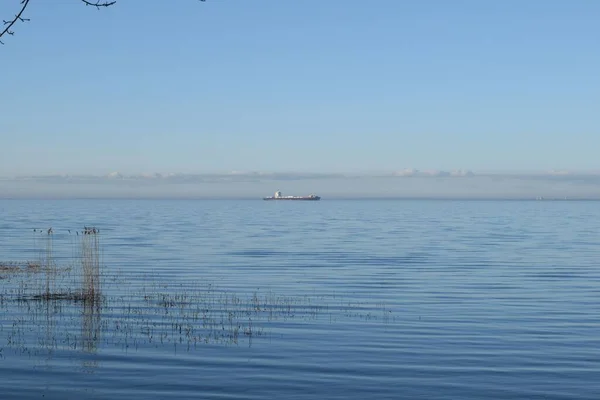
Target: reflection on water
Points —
{"points": [[45, 328], [155, 316], [62, 308], [46, 297], [90, 331]]}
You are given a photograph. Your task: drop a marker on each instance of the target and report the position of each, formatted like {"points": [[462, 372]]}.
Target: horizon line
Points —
{"points": [[334, 197]]}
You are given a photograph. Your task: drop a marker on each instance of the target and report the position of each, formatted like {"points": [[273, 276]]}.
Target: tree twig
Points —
{"points": [[99, 3], [24, 3], [8, 24]]}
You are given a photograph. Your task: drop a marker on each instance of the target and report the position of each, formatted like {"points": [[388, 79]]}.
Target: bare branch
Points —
{"points": [[99, 3], [8, 24], [24, 3]]}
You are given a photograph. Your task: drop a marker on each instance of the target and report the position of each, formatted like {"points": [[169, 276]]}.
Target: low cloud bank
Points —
{"points": [[409, 183], [244, 176]]}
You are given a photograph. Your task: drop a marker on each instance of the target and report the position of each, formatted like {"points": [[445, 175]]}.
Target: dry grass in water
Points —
{"points": [[64, 307]]}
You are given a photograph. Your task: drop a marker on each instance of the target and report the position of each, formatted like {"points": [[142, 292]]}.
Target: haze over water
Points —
{"points": [[330, 299]]}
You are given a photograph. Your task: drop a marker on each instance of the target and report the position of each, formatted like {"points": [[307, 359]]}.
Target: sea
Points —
{"points": [[331, 299]]}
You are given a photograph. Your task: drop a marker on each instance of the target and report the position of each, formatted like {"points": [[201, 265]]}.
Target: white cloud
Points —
{"points": [[432, 173], [114, 175], [461, 172], [407, 172]]}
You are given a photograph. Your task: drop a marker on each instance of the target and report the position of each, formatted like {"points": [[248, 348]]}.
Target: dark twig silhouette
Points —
{"points": [[99, 4], [8, 24]]}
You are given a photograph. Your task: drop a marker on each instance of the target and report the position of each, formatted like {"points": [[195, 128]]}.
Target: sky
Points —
{"points": [[311, 86]]}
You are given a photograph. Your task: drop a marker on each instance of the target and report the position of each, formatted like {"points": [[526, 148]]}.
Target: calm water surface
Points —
{"points": [[331, 299]]}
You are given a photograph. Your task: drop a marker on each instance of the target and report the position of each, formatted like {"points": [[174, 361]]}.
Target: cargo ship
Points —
{"points": [[278, 196]]}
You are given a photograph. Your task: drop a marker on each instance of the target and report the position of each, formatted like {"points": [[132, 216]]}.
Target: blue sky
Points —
{"points": [[312, 85]]}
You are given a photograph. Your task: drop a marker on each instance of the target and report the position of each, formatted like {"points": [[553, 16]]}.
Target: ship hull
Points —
{"points": [[316, 198]]}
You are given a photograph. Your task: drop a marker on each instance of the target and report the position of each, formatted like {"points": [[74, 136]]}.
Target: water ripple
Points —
{"points": [[338, 299]]}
